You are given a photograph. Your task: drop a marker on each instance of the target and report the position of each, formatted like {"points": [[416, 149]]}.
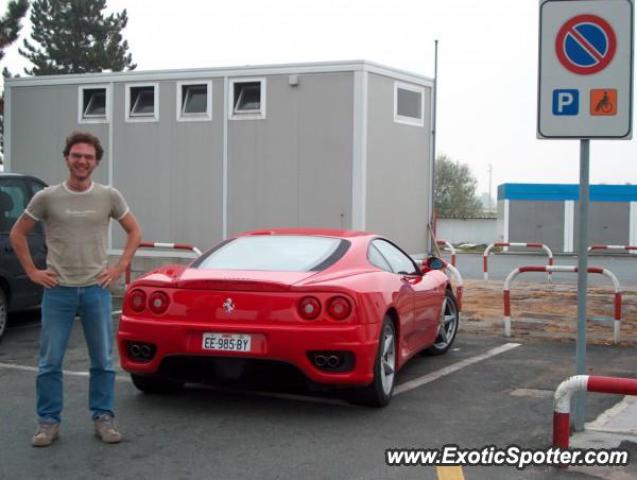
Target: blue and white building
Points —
{"points": [[549, 214]]}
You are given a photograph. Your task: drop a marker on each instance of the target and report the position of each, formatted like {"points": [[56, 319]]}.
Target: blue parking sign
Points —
{"points": [[565, 102]]}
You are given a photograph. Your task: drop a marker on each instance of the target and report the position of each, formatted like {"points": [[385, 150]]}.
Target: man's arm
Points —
{"points": [[18, 236], [133, 239]]}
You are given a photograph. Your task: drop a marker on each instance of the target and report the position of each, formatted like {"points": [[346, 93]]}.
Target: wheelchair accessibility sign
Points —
{"points": [[585, 84], [603, 102]]}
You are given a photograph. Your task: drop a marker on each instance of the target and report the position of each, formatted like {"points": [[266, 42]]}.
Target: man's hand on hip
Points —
{"points": [[47, 278], [109, 276]]}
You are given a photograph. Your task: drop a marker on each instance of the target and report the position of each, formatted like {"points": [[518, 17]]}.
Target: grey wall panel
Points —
{"points": [[470, 230], [608, 223], [41, 119], [170, 171], [542, 222], [500, 233], [293, 168], [398, 163]]}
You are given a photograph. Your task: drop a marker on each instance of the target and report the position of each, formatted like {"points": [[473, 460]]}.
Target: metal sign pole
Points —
{"points": [[579, 405]]}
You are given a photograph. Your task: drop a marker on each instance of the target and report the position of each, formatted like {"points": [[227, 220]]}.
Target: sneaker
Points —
{"points": [[105, 429], [46, 434]]}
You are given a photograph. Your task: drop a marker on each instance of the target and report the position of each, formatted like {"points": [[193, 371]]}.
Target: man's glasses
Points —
{"points": [[78, 156]]}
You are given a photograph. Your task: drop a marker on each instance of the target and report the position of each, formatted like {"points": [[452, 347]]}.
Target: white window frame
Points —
{"points": [[80, 104], [127, 105], [194, 117], [251, 115], [418, 122]]}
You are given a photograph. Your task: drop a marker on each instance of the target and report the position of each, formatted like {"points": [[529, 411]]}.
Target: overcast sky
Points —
{"points": [[487, 68]]}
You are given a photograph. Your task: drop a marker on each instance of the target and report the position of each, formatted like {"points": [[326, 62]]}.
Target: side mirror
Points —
{"points": [[432, 263]]}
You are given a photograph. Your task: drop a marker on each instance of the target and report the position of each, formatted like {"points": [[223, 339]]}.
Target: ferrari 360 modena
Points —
{"points": [[344, 308]]}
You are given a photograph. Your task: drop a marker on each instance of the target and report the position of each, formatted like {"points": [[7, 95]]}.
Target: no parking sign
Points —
{"points": [[586, 69]]}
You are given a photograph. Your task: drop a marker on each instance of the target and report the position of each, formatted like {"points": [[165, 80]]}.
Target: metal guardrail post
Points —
{"points": [[617, 302], [587, 383], [485, 255], [448, 246], [174, 246]]}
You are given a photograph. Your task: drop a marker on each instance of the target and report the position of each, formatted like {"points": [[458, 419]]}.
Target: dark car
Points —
{"points": [[17, 292]]}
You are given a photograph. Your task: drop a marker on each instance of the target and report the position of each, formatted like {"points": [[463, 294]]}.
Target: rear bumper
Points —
{"points": [[289, 344]]}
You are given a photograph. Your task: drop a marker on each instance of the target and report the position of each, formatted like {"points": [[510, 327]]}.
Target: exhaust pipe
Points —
{"points": [[320, 361], [145, 351], [135, 350], [333, 361]]}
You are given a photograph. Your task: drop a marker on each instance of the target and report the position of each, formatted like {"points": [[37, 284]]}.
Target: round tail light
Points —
{"points": [[309, 308], [339, 308], [137, 300], [158, 302]]}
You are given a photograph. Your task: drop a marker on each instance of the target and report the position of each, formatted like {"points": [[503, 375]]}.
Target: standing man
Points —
{"points": [[76, 215]]}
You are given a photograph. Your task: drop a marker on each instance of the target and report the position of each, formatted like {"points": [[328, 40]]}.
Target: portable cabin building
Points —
{"points": [[549, 214], [202, 154]]}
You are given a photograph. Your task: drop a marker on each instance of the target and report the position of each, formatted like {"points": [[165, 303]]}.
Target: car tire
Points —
{"points": [[379, 393], [152, 384], [447, 327], [4, 316]]}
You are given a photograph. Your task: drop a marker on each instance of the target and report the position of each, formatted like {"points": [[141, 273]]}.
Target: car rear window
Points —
{"points": [[13, 200], [289, 253]]}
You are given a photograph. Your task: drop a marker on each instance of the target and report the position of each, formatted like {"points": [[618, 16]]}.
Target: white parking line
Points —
{"points": [[402, 388], [430, 377]]}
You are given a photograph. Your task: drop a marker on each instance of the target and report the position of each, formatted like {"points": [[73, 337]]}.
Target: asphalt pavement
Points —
{"points": [[485, 391]]}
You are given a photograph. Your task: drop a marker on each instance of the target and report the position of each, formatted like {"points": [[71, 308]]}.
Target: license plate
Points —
{"points": [[226, 342]]}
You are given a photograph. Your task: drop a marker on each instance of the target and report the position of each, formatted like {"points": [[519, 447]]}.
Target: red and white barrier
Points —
{"points": [[617, 310], [448, 246], [173, 246], [588, 383], [459, 286], [599, 246], [485, 255]]}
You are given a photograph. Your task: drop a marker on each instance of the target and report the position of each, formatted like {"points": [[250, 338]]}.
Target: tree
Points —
{"points": [[74, 36], [10, 23], [455, 190]]}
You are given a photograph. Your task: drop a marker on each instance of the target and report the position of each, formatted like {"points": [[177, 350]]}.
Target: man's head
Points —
{"points": [[82, 153], [84, 137]]}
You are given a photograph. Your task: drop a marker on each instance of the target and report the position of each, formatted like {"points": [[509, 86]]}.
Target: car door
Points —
{"points": [[406, 273], [15, 193], [37, 241], [426, 299]]}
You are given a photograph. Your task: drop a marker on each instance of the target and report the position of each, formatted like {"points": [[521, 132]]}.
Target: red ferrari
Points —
{"points": [[345, 308]]}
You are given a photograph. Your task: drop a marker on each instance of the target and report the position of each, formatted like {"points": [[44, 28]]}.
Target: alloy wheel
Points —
{"points": [[388, 359], [448, 324]]}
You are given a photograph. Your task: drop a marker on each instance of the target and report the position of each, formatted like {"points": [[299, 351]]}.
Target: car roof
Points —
{"points": [[18, 175], [317, 232], [11, 174]]}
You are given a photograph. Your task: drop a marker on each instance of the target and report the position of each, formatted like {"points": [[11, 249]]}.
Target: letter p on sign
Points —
{"points": [[565, 102]]}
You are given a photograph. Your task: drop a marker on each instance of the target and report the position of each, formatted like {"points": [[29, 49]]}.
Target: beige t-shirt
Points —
{"points": [[76, 228]]}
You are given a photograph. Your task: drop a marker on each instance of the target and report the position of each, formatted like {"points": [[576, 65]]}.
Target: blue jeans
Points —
{"points": [[59, 308]]}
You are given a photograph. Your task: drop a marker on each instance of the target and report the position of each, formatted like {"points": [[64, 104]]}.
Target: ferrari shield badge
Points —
{"points": [[228, 306]]}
